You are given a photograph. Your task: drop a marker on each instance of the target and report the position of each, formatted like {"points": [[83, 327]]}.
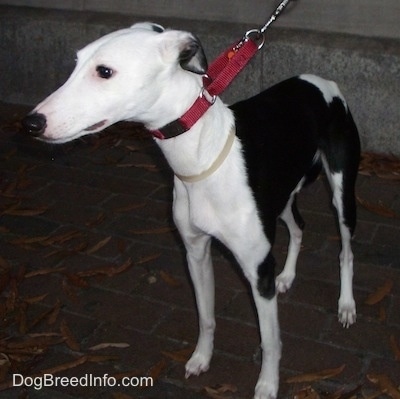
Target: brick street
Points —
{"points": [[90, 255]]}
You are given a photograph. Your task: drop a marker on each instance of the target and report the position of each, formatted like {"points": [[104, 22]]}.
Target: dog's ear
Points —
{"points": [[192, 57], [149, 26]]}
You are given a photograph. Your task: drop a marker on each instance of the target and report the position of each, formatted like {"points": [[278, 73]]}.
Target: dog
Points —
{"points": [[266, 149]]}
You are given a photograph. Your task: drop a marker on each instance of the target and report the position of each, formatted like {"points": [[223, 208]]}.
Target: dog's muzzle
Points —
{"points": [[34, 124]]}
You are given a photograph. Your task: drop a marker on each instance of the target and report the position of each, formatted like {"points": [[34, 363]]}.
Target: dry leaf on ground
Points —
{"points": [[156, 230], [385, 384], [222, 392], [70, 339], [382, 165], [181, 356], [105, 345], [316, 376], [380, 293], [378, 209], [98, 246], [307, 393], [42, 272], [120, 395], [156, 370], [394, 344], [109, 271], [170, 280]]}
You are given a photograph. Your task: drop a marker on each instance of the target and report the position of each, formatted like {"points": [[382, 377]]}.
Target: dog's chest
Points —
{"points": [[223, 205]]}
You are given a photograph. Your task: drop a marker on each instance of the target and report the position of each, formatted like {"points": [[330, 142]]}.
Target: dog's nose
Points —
{"points": [[34, 124]]}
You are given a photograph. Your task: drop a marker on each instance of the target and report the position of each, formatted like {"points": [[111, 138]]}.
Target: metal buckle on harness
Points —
{"points": [[204, 93]]}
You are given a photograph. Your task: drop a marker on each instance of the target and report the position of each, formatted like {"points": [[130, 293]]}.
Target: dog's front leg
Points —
{"points": [[260, 276], [198, 250], [268, 381], [201, 272]]}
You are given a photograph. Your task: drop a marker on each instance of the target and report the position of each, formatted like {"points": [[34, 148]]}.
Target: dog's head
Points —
{"points": [[144, 74]]}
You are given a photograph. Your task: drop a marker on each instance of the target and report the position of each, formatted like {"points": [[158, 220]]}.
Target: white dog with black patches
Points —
{"points": [[237, 170]]}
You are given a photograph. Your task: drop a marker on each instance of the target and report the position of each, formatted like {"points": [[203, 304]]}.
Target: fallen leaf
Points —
{"points": [[316, 376], [69, 291], [32, 343], [156, 370], [98, 246], [109, 345], [109, 271], [44, 334], [52, 318], [77, 281], [26, 212], [122, 245], [120, 395], [12, 295], [221, 391], [386, 385], [28, 240], [146, 259], [42, 272], [5, 277], [96, 220], [42, 316], [378, 209], [181, 356], [342, 394], [4, 264], [64, 366], [307, 393], [70, 340], [395, 347], [4, 366], [380, 293], [157, 230], [35, 299], [62, 238], [171, 281], [22, 319]]}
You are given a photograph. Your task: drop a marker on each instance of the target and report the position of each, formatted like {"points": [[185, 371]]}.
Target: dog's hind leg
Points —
{"points": [[340, 156], [295, 225], [341, 201]]}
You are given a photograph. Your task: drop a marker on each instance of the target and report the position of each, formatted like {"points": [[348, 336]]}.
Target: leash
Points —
{"points": [[219, 76]]}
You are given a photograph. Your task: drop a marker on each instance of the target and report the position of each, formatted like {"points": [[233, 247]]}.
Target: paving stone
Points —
{"points": [[88, 186]]}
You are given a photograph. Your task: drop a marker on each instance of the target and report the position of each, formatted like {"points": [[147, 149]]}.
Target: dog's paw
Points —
{"points": [[265, 390], [197, 364], [284, 281], [347, 313]]}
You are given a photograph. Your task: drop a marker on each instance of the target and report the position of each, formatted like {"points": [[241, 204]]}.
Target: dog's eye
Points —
{"points": [[104, 72]]}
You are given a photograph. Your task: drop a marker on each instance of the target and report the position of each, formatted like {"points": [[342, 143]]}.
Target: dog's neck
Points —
{"points": [[193, 152]]}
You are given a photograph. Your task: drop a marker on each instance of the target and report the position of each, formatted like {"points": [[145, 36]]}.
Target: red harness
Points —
{"points": [[219, 75]]}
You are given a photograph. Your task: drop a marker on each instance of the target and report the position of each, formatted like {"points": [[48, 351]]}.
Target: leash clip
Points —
{"points": [[256, 35]]}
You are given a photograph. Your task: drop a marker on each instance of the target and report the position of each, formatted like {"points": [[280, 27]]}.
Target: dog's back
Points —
{"points": [[287, 132]]}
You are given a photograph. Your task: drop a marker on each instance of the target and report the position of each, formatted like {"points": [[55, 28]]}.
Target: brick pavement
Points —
{"points": [[91, 205]]}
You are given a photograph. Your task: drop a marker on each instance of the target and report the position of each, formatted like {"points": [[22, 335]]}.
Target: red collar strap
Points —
{"points": [[219, 75]]}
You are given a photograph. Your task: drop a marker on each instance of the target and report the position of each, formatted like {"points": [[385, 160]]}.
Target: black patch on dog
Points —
{"points": [[266, 277]]}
